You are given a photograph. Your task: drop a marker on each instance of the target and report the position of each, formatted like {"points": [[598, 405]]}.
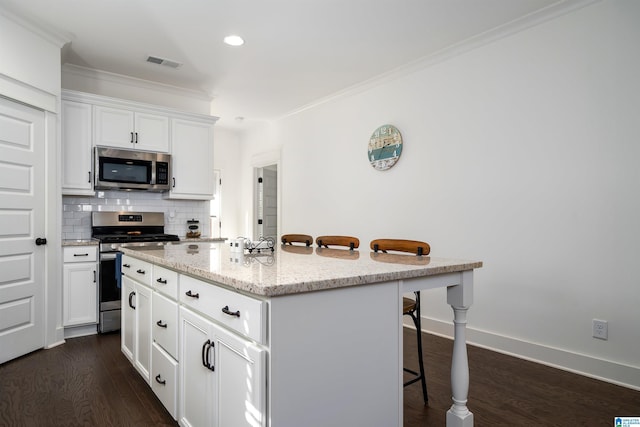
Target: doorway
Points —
{"points": [[266, 202]]}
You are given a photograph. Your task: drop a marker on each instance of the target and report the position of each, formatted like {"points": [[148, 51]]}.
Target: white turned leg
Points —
{"points": [[459, 415]]}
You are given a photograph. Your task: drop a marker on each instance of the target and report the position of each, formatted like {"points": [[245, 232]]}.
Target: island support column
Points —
{"points": [[460, 297]]}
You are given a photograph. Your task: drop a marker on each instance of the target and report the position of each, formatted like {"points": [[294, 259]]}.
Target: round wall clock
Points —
{"points": [[385, 147]]}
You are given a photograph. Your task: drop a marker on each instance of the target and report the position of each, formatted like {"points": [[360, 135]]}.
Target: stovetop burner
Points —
{"points": [[116, 228]]}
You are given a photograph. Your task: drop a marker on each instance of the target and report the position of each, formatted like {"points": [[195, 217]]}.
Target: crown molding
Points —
{"points": [[52, 35], [560, 8], [92, 73]]}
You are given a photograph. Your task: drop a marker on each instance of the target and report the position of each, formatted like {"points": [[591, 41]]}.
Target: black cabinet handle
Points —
{"points": [[80, 254], [160, 380], [140, 271], [189, 294], [94, 276], [161, 280], [226, 310], [162, 325], [206, 348], [136, 137], [131, 137], [174, 182], [126, 265], [89, 176], [131, 294]]}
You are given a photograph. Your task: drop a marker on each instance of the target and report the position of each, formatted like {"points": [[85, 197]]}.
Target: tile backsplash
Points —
{"points": [[76, 211]]}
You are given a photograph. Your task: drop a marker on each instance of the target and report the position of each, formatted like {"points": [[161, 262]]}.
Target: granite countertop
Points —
{"points": [[292, 269], [80, 242]]}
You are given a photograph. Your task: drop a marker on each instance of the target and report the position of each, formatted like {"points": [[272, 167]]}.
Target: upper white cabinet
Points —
{"points": [[77, 170], [89, 120], [192, 160], [133, 130]]}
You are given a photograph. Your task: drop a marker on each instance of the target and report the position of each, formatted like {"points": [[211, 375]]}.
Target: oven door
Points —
{"points": [[110, 283]]}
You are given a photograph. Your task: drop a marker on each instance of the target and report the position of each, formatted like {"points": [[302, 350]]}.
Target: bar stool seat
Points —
{"points": [[410, 307], [296, 238]]}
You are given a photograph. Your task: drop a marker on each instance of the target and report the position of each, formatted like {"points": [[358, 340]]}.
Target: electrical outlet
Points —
{"points": [[600, 329]]}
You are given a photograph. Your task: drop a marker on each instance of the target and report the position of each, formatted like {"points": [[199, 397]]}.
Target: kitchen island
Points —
{"points": [[300, 336]]}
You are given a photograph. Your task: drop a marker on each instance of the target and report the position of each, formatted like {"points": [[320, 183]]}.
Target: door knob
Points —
{"points": [[40, 241]]}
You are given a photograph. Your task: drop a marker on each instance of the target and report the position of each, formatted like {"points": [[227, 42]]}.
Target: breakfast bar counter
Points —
{"points": [[326, 324]]}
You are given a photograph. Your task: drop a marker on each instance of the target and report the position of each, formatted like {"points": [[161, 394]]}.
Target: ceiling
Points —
{"points": [[296, 52]]}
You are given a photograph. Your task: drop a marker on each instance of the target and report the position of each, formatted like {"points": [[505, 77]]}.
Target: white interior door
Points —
{"points": [[22, 207]]}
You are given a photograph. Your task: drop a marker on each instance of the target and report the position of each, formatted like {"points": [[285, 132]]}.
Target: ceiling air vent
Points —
{"points": [[163, 61]]}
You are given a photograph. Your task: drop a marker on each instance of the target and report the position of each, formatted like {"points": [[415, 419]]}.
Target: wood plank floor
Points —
{"points": [[88, 382]]}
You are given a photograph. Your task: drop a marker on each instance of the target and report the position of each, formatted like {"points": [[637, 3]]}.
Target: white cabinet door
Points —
{"points": [[77, 170], [142, 353], [222, 376], [131, 130], [240, 386], [151, 132], [196, 377], [128, 317], [113, 127], [192, 160], [80, 292]]}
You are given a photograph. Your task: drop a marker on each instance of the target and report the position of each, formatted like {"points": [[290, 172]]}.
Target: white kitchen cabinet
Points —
{"points": [[136, 322], [164, 381], [133, 130], [222, 376], [77, 165], [80, 287], [192, 160]]}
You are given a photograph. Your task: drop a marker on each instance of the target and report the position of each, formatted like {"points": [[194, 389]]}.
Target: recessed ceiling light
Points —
{"points": [[234, 40]]}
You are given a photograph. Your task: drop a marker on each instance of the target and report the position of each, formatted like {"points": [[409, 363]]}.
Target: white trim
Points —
{"points": [[41, 29], [556, 10], [121, 79], [90, 98], [26, 94], [582, 364]]}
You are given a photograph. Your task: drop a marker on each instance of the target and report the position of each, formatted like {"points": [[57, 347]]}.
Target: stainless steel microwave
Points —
{"points": [[117, 169]]}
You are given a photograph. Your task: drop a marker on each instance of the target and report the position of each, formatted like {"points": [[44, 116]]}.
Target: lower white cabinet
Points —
{"points": [[136, 325], [164, 381], [222, 376], [80, 286]]}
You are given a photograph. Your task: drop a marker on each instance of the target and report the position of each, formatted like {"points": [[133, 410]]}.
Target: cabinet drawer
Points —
{"points": [[136, 269], [164, 381], [164, 323], [238, 312], [80, 254], [165, 281]]}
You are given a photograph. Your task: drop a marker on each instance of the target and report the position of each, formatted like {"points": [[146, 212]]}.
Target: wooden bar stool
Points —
{"points": [[410, 307], [347, 241], [296, 238]]}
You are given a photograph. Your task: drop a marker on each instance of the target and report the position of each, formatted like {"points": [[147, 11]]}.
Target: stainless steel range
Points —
{"points": [[114, 229]]}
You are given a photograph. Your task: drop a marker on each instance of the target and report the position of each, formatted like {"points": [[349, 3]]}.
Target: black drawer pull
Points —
{"points": [[131, 294], [140, 271], [160, 380], [189, 294], [80, 254], [162, 325], [161, 280], [226, 310], [126, 265]]}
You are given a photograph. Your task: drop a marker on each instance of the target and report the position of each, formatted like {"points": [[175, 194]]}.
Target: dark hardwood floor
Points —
{"points": [[88, 382]]}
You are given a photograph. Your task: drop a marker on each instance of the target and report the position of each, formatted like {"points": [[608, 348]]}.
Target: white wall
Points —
{"points": [[522, 153], [226, 158]]}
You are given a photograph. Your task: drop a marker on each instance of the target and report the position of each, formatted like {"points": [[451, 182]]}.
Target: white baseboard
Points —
{"points": [[589, 366], [80, 331]]}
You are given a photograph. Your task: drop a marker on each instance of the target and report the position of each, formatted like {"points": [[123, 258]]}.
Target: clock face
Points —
{"points": [[385, 147]]}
